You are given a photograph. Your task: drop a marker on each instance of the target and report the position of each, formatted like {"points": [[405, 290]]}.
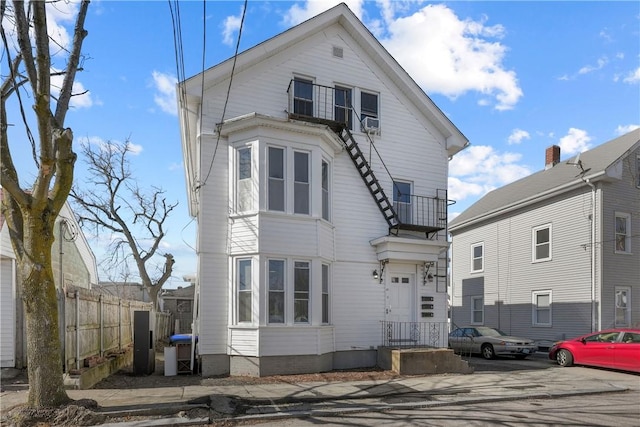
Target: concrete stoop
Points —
{"points": [[420, 361]]}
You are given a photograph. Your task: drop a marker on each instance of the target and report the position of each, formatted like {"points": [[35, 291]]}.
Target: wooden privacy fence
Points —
{"points": [[93, 324]]}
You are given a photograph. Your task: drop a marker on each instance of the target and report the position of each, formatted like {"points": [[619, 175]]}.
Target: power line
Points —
{"points": [[226, 101]]}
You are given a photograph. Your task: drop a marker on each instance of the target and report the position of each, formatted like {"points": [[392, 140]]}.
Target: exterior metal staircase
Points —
{"points": [[369, 178]]}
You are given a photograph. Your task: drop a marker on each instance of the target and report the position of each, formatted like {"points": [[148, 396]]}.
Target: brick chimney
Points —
{"points": [[552, 157]]}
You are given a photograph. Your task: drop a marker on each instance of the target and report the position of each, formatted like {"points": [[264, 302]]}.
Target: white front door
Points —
{"points": [[400, 297]]}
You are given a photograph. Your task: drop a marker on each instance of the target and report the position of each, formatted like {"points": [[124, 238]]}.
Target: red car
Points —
{"points": [[612, 348]]}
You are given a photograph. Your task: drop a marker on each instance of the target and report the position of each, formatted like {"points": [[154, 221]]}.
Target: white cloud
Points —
{"points": [[633, 76], [576, 141], [231, 25], [134, 149], [590, 68], [81, 97], [165, 97], [480, 169], [447, 55], [517, 136], [102, 144], [622, 129], [297, 13]]}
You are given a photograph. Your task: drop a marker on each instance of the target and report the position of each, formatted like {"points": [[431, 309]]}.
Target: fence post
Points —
{"points": [[119, 324], [101, 308], [77, 297]]}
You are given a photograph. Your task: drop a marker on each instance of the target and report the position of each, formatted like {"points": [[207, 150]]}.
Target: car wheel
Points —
{"points": [[487, 351], [564, 358]]}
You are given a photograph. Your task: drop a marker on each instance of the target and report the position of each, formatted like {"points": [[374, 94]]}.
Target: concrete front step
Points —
{"points": [[420, 361]]}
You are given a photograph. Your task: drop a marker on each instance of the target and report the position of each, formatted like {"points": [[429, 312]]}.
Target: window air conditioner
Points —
{"points": [[371, 124]]}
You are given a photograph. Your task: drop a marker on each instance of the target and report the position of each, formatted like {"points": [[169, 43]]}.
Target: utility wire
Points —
{"points": [[226, 101]]}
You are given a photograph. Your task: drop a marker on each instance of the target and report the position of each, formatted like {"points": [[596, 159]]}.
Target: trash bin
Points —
{"points": [[170, 362]]}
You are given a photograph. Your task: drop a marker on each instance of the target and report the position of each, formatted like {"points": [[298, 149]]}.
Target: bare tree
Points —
{"points": [[30, 213], [112, 201]]}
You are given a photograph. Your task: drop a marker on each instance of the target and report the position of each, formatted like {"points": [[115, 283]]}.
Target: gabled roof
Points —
{"points": [[342, 15], [598, 163]]}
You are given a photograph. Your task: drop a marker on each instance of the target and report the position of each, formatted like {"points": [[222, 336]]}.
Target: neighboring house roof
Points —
{"points": [[599, 163], [180, 292], [342, 15]]}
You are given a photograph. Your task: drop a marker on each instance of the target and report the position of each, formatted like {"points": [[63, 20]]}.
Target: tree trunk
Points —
{"points": [[44, 361]]}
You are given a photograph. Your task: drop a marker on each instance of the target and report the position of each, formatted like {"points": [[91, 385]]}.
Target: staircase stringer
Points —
{"points": [[369, 178]]}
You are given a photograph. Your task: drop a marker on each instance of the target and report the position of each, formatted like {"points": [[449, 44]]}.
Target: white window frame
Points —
{"points": [[240, 291], [473, 257], [535, 309], [298, 295], [244, 197], [638, 171], [283, 179], [535, 244], [474, 310], [325, 192], [326, 301], [368, 114], [624, 305], [627, 234], [301, 184], [282, 291]]}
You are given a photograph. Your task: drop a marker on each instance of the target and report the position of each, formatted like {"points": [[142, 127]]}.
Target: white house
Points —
{"points": [[73, 263], [318, 182], [555, 254]]}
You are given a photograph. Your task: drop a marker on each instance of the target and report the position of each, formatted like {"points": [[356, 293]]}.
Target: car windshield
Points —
{"points": [[490, 332]]}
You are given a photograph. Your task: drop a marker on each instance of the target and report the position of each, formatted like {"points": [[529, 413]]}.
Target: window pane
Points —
{"points": [[543, 316], [276, 307], [343, 106], [244, 163], [543, 300], [325, 190], [276, 163], [477, 304], [477, 317], [303, 97], [276, 179], [244, 307], [542, 236], [477, 251], [276, 275], [368, 105], [244, 275], [301, 184], [301, 292], [325, 293], [542, 252]]}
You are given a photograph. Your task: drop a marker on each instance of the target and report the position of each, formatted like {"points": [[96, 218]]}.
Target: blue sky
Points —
{"points": [[514, 77]]}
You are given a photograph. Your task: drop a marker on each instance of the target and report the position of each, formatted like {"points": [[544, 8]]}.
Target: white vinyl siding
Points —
{"points": [[541, 243], [477, 258], [623, 233], [477, 310], [541, 303]]}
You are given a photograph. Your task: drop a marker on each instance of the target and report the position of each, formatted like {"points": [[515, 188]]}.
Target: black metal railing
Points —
{"points": [[310, 100], [415, 334], [422, 211]]}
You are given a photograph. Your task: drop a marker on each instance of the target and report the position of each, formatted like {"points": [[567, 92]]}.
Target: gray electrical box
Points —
{"points": [[144, 355]]}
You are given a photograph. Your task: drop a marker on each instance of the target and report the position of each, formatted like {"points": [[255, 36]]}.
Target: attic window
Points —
{"points": [[338, 52]]}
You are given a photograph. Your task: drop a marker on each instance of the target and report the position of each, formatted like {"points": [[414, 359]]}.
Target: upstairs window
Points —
{"points": [[623, 233], [541, 243], [301, 183], [369, 109], [342, 113], [477, 257], [276, 179], [402, 201], [303, 97]]}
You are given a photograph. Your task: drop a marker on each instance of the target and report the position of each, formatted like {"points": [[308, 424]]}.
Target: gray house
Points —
{"points": [[555, 254]]}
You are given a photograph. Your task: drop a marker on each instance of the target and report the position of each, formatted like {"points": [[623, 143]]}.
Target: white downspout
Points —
{"points": [[594, 311]]}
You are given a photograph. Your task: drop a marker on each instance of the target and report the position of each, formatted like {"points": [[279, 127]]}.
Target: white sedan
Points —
{"points": [[490, 343]]}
